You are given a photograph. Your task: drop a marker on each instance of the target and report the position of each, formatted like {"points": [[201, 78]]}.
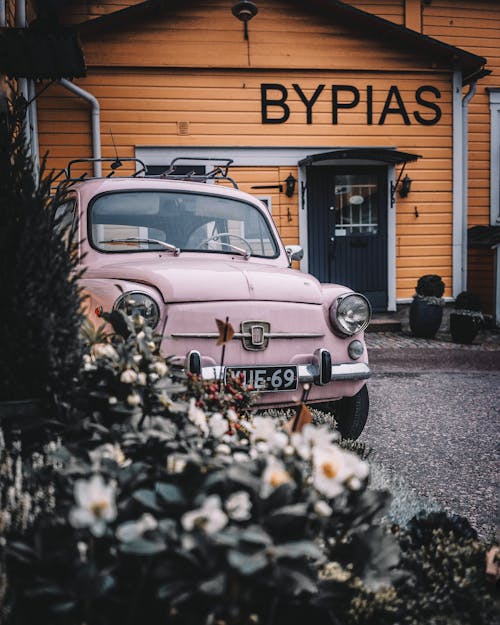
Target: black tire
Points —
{"points": [[350, 413]]}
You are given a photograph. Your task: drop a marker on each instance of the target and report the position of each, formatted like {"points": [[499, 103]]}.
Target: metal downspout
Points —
{"points": [[96, 121], [465, 176], [457, 165]]}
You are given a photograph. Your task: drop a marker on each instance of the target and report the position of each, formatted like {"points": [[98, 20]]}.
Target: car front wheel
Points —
{"points": [[350, 413]]}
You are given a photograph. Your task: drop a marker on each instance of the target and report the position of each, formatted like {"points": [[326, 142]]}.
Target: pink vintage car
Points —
{"points": [[184, 251]]}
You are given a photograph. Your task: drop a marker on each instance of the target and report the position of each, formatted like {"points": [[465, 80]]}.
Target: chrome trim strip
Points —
{"points": [[240, 335], [308, 373]]}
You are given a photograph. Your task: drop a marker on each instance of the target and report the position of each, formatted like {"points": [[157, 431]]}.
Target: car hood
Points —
{"points": [[192, 280]]}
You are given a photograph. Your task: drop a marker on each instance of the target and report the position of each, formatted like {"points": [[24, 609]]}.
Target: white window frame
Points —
{"points": [[494, 156]]}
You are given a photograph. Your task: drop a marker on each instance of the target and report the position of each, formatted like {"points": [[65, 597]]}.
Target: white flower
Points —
{"points": [[218, 425], [312, 436], [105, 350], [197, 416], [333, 467], [223, 449], [112, 400], [240, 456], [142, 378], [164, 399], [95, 505], [141, 335], [133, 399], [176, 464], [274, 475], [210, 517], [322, 508], [160, 368], [264, 429], [129, 376], [153, 377], [137, 358], [132, 530], [110, 452], [239, 505]]}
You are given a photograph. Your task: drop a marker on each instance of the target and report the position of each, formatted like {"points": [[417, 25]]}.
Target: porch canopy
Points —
{"points": [[385, 155]]}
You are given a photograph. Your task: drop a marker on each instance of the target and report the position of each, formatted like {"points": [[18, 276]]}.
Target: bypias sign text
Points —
{"points": [[422, 109]]}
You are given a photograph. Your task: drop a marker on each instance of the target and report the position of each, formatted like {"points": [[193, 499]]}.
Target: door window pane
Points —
{"points": [[356, 203]]}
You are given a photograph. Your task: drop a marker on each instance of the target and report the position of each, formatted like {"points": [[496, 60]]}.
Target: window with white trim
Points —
{"points": [[494, 156]]}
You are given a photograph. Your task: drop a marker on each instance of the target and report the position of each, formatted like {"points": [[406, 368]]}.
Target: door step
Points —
{"points": [[384, 323]]}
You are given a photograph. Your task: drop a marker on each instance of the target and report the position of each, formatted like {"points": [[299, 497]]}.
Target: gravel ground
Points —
{"points": [[434, 423]]}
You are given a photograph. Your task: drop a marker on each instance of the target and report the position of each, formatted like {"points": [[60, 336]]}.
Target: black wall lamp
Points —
{"points": [[244, 11], [405, 187], [290, 185]]}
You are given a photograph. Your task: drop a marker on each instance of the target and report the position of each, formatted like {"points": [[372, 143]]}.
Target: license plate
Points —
{"points": [[266, 378]]}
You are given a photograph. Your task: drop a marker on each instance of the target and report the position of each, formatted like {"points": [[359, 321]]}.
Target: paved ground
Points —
{"points": [[435, 418]]}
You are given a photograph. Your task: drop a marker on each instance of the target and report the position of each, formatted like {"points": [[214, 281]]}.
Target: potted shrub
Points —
{"points": [[467, 319], [426, 310], [40, 316]]}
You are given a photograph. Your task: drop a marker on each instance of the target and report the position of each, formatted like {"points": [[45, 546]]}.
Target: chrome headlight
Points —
{"points": [[350, 313], [135, 303]]}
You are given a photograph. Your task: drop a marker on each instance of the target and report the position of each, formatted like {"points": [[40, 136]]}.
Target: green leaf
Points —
{"points": [[255, 535], [147, 498], [170, 493], [61, 607], [214, 587], [171, 589], [246, 564], [298, 549], [143, 547]]}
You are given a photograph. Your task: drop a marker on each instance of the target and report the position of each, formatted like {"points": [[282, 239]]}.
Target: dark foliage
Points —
{"points": [[40, 316], [430, 285], [466, 300], [448, 585]]}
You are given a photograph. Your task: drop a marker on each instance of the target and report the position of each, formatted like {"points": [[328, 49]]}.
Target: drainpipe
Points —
{"points": [[20, 22], [96, 121], [465, 175], [3, 14]]}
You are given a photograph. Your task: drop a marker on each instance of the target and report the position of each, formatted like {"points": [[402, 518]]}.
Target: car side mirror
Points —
{"points": [[294, 252]]}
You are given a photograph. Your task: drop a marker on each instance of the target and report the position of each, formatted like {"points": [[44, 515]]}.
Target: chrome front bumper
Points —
{"points": [[320, 371], [308, 374]]}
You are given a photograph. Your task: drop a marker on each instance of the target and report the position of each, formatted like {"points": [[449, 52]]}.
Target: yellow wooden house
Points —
{"points": [[371, 128]]}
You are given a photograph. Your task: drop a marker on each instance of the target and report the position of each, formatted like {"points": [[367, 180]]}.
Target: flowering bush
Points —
{"points": [[174, 507], [177, 508]]}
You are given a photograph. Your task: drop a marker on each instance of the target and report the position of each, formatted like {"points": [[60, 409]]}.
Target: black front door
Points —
{"points": [[347, 225]]}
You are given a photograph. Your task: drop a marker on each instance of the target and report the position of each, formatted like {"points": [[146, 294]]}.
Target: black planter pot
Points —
{"points": [[426, 315], [465, 326]]}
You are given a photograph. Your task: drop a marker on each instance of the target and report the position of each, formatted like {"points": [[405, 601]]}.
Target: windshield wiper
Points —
{"points": [[164, 244]]}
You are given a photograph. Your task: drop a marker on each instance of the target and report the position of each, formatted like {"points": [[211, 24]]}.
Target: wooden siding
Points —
{"points": [[78, 12], [392, 10], [473, 26], [208, 35]]}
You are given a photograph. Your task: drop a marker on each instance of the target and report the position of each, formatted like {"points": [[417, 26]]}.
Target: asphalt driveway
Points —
{"points": [[434, 421]]}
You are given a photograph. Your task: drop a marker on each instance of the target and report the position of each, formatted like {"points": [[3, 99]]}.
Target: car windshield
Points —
{"points": [[164, 220]]}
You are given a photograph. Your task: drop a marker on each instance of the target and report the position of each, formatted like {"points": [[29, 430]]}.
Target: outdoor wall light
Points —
{"points": [[405, 187], [290, 185], [244, 11]]}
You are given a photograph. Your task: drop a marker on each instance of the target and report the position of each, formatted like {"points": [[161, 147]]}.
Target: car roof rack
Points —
{"points": [[219, 171], [116, 163]]}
